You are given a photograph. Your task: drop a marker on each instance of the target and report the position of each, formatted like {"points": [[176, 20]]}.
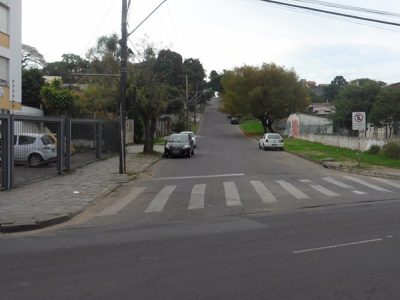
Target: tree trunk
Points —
{"points": [[146, 146], [269, 125]]}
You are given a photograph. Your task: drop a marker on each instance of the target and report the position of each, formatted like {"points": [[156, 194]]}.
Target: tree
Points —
{"points": [[386, 109], [59, 101], [268, 93], [70, 63], [168, 68], [31, 58], [332, 90], [215, 81], [354, 98], [32, 82]]}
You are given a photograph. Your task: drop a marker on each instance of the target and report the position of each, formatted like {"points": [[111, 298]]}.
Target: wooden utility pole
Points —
{"points": [[123, 84]]}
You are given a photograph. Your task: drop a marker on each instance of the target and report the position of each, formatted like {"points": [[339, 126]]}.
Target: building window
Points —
{"points": [[4, 19], [4, 70]]}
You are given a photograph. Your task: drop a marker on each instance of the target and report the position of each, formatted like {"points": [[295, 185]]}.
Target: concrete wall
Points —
{"points": [[354, 143]]}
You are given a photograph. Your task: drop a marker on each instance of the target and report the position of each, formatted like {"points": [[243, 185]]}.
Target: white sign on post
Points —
{"points": [[358, 121]]}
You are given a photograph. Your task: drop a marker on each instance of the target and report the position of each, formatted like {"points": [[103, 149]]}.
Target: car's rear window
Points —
{"points": [[274, 136], [179, 138], [47, 140]]}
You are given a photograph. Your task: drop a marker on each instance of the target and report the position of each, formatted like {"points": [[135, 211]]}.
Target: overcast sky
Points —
{"points": [[224, 34]]}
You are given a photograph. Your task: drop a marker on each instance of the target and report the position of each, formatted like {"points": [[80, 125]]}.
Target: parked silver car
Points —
{"points": [[34, 148]]}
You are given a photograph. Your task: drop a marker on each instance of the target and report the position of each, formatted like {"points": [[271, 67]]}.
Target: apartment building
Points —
{"points": [[10, 55]]}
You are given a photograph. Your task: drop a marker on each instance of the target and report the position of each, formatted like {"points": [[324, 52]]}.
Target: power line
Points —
{"points": [[348, 7], [332, 13]]}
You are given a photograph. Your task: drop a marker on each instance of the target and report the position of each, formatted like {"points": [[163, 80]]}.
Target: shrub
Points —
{"points": [[391, 150], [374, 149]]}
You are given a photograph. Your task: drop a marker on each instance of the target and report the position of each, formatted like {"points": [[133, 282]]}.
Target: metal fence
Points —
{"points": [[35, 147]]}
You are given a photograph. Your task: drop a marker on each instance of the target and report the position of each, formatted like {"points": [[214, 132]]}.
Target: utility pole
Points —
{"points": [[187, 102], [123, 84], [195, 104]]}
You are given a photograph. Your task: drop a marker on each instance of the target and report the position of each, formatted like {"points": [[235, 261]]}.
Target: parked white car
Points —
{"points": [[34, 148], [192, 135], [271, 141]]}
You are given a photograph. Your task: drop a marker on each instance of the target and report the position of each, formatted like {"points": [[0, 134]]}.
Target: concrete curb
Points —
{"points": [[11, 228]]}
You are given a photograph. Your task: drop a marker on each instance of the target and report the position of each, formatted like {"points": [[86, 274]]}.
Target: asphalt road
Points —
{"points": [[232, 222]]}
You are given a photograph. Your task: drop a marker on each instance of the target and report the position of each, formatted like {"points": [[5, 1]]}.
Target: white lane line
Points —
{"points": [[201, 176], [323, 190], [338, 183], [231, 194], [343, 185], [197, 196], [388, 182], [122, 202], [262, 191], [292, 190], [336, 246], [305, 180], [367, 184], [161, 199]]}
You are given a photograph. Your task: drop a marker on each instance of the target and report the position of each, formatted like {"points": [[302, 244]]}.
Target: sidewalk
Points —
{"points": [[58, 199]]}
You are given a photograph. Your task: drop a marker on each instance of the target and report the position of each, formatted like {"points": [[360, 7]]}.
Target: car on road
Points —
{"points": [[271, 141], [34, 148], [179, 144], [192, 135], [234, 120]]}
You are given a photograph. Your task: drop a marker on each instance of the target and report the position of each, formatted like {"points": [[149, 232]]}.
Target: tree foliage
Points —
{"points": [[353, 98], [31, 58], [32, 82], [331, 91], [268, 93], [215, 81], [59, 101], [70, 63]]}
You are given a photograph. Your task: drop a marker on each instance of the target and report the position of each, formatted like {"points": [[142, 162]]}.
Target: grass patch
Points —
{"points": [[319, 152], [159, 141], [252, 127]]}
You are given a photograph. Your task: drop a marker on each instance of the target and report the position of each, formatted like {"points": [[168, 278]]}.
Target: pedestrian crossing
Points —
{"points": [[271, 193]]}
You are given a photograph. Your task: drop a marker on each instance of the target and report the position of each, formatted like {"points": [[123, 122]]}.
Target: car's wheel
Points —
{"points": [[189, 154], [264, 148], [259, 146], [166, 155], [193, 151], [281, 149], [35, 160]]}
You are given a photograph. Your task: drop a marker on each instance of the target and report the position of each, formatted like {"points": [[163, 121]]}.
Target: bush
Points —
{"points": [[391, 150], [374, 149]]}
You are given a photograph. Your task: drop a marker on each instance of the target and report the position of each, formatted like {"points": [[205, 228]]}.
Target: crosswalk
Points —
{"points": [[269, 193]]}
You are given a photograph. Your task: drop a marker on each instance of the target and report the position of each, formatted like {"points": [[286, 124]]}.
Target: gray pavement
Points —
{"points": [[57, 199]]}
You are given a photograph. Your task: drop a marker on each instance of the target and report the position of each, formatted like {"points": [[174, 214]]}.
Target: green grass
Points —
{"points": [[159, 141], [319, 152], [252, 127]]}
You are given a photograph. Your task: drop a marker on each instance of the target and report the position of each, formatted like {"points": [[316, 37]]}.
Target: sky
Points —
{"points": [[224, 34]]}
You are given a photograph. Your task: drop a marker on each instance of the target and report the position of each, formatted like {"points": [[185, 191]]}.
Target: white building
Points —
{"points": [[10, 55]]}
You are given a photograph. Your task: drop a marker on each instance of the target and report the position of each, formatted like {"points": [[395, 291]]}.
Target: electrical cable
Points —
{"points": [[333, 13]]}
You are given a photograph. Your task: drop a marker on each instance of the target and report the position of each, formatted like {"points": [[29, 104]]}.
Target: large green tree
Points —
{"points": [[70, 64], [215, 81], [354, 98], [58, 100], [386, 109], [331, 91], [268, 93], [32, 82]]}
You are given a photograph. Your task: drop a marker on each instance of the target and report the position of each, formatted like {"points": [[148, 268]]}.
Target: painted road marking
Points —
{"points": [[197, 196], [122, 202], [161, 199], [231, 194], [292, 190], [336, 246], [388, 182], [323, 190], [343, 185], [367, 184], [264, 193], [200, 176]]}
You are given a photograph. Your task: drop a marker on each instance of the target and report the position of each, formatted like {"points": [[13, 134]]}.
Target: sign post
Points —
{"points": [[358, 123]]}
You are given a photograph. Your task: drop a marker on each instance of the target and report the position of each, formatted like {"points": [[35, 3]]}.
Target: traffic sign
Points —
{"points": [[358, 121]]}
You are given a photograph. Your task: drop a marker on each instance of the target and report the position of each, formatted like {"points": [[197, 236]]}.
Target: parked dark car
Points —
{"points": [[234, 120], [179, 144]]}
